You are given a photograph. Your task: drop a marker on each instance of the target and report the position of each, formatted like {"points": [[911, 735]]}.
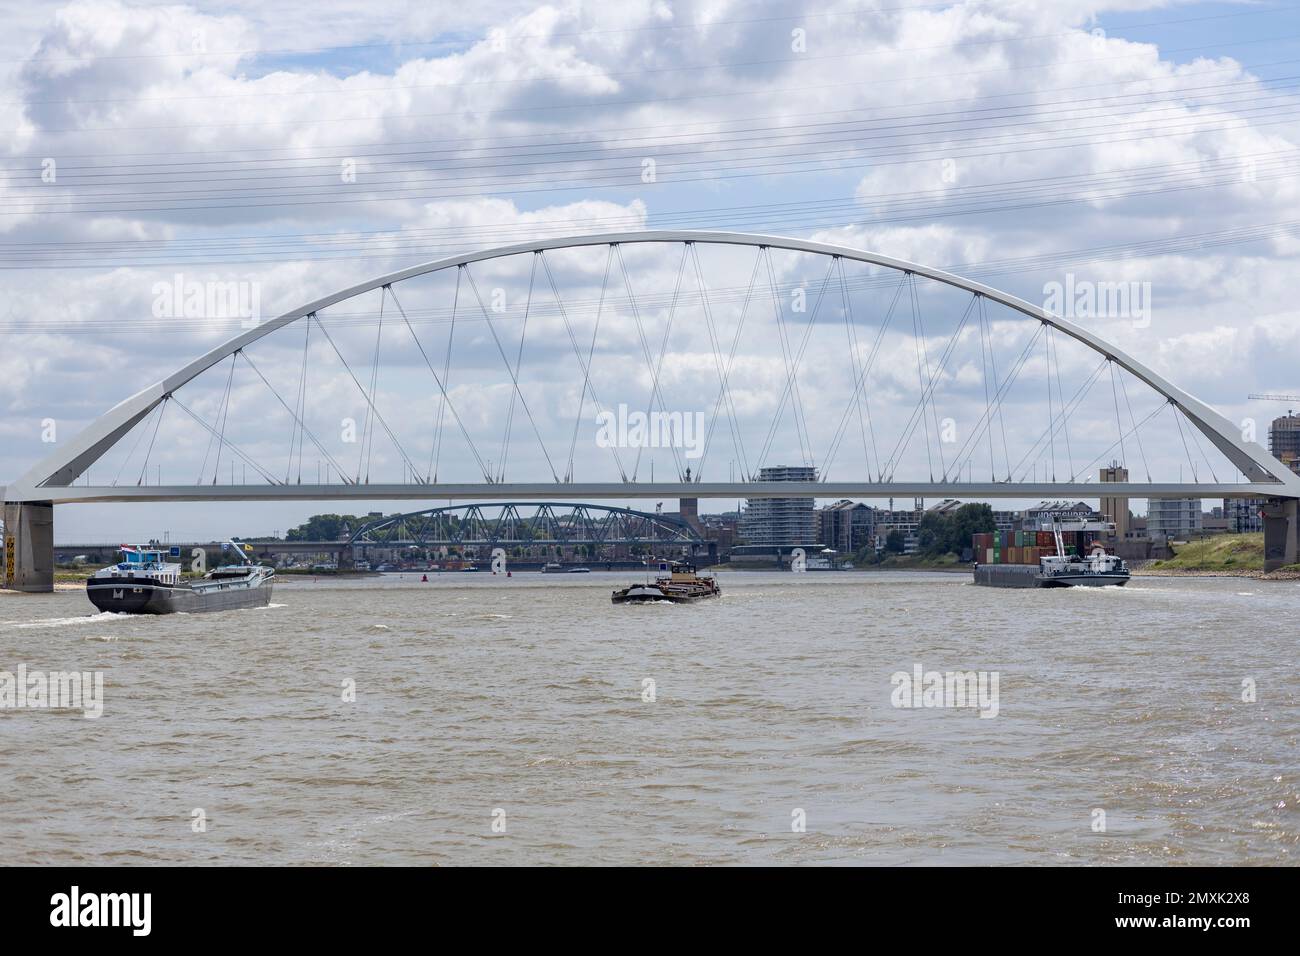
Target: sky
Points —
{"points": [[296, 149]]}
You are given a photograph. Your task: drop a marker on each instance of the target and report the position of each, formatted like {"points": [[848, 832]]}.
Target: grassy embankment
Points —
{"points": [[1224, 552], [1235, 554]]}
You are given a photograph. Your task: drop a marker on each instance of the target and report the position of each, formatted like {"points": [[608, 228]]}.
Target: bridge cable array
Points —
{"points": [[723, 369]]}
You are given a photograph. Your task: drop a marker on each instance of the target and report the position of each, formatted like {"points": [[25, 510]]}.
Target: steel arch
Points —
{"points": [[62, 468], [611, 525]]}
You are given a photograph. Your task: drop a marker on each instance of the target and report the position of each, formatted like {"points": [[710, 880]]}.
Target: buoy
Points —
{"points": [[424, 578], [510, 574]]}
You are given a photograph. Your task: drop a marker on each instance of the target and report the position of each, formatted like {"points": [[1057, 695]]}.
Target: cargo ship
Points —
{"points": [[1066, 568], [677, 582], [144, 582]]}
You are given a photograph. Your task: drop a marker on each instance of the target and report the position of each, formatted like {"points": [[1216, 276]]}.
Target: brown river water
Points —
{"points": [[509, 721]]}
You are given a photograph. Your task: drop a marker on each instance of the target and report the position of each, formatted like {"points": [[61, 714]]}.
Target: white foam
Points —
{"points": [[105, 617]]}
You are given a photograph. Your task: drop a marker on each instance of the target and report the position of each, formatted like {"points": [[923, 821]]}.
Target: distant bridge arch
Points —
{"points": [[549, 523]]}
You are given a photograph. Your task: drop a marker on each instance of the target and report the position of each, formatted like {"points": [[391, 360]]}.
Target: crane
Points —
{"points": [[1274, 398]]}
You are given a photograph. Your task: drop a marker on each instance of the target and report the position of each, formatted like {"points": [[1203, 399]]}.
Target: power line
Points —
{"points": [[978, 269], [1007, 200], [534, 154], [580, 179], [620, 133]]}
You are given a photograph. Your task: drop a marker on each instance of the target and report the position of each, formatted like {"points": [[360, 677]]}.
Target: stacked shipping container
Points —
{"points": [[1024, 547]]}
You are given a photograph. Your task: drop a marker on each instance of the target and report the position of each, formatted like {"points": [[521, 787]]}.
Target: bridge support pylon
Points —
{"points": [[1281, 533], [27, 557]]}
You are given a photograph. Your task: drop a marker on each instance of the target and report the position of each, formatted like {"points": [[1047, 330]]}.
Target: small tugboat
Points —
{"points": [[677, 582], [145, 583]]}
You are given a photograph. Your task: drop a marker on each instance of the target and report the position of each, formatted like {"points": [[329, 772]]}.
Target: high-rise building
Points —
{"points": [[1284, 440], [781, 521], [1173, 517], [1115, 508]]}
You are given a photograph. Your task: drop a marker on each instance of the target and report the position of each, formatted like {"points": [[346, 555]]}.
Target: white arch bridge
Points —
{"points": [[654, 365]]}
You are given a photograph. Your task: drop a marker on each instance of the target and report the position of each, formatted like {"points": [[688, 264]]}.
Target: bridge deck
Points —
{"points": [[631, 490]]}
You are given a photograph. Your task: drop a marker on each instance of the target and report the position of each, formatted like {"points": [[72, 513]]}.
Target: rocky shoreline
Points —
{"points": [[1253, 573]]}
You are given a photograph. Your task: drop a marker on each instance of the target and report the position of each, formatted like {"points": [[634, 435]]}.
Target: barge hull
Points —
{"points": [[151, 597], [1008, 576], [1028, 576]]}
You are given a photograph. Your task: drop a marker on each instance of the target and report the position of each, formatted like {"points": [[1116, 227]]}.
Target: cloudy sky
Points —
{"points": [[301, 148]]}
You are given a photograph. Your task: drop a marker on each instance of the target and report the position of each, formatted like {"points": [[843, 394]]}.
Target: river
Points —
{"points": [[528, 720]]}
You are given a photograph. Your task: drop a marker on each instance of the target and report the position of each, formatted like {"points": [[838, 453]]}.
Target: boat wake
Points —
{"points": [[104, 617]]}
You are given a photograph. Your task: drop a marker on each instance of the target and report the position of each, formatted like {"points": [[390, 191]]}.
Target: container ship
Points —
{"points": [[144, 582], [1060, 558]]}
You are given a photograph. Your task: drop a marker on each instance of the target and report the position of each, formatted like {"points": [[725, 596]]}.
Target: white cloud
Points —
{"points": [[472, 127]]}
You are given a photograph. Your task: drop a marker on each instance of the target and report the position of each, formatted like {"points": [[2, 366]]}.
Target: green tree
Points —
{"points": [[933, 532], [324, 528], [969, 520], [950, 533], [894, 542]]}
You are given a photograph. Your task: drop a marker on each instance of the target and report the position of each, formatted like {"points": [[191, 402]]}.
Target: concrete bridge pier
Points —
{"points": [[1281, 533], [27, 557]]}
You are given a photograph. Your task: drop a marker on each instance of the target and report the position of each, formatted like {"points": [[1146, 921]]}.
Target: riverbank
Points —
{"points": [[1288, 573], [1220, 556]]}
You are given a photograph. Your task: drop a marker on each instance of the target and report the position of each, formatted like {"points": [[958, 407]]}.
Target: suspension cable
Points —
{"points": [[585, 365], [380, 418], [442, 387], [435, 453], [860, 384], [724, 392], [519, 361], [305, 430], [513, 378]]}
